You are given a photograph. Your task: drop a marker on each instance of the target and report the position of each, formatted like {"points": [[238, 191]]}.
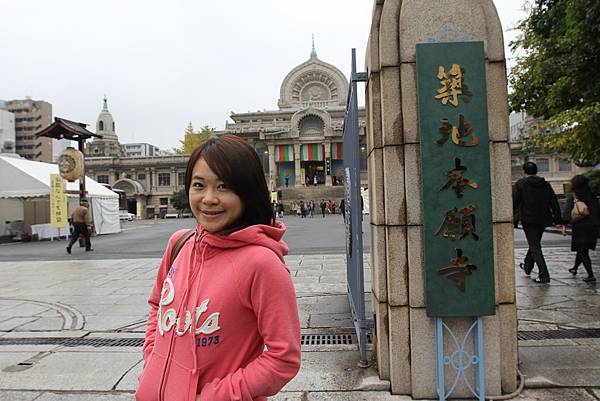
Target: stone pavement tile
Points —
{"points": [[46, 334], [129, 382], [111, 322], [555, 394], [76, 300], [544, 316], [309, 273], [111, 396], [13, 322], [18, 395], [140, 309], [547, 343], [332, 371], [43, 323], [305, 280], [288, 396], [317, 288], [596, 392], [574, 366], [70, 371], [329, 278], [330, 320], [310, 266], [356, 396], [8, 359], [24, 309]]}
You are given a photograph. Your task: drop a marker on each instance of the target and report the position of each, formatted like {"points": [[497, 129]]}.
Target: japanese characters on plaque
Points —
{"points": [[456, 185], [59, 216]]}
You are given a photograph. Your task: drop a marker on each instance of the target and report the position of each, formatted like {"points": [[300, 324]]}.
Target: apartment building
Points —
{"points": [[30, 117]]}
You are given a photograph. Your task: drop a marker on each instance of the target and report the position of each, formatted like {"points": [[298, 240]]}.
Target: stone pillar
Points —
{"points": [[153, 179], [140, 207], [146, 182], [327, 155], [297, 165], [173, 179], [272, 169], [405, 342]]}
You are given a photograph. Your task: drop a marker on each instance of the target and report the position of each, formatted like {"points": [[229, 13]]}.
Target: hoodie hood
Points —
{"points": [[535, 180], [259, 234]]}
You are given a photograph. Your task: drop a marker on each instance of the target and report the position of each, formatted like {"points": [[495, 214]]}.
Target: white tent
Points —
{"points": [[22, 179]]}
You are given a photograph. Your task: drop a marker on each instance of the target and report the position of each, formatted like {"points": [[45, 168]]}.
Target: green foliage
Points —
{"points": [[594, 177], [192, 139], [179, 200], [555, 76]]}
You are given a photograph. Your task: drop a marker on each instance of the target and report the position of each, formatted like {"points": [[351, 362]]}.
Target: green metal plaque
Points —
{"points": [[455, 169]]}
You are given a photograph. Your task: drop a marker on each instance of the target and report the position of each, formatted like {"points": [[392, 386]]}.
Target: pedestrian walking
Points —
{"points": [[311, 209], [582, 210], [343, 208], [80, 220], [223, 321], [302, 209], [323, 206], [535, 204]]}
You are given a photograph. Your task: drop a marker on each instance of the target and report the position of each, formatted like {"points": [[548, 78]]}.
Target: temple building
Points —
{"points": [[300, 143], [146, 184]]}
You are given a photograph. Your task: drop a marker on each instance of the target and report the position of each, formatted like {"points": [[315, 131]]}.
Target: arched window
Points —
{"points": [[101, 126], [113, 126]]}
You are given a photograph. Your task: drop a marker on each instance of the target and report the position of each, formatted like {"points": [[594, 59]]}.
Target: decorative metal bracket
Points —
{"points": [[460, 360]]}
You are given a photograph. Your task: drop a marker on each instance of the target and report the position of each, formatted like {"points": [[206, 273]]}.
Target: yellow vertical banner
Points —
{"points": [[58, 202]]}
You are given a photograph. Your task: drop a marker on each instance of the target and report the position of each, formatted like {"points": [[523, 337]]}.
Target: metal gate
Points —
{"points": [[353, 215]]}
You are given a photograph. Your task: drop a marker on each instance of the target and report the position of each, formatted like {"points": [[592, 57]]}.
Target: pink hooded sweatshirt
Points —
{"points": [[223, 321]]}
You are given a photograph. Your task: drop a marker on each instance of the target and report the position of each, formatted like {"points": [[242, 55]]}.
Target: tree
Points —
{"points": [[179, 200], [192, 139], [555, 77]]}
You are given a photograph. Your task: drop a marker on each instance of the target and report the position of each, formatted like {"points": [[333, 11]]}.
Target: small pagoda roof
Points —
{"points": [[66, 129]]}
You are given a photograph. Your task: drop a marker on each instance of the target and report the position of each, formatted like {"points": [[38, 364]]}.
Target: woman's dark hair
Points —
{"points": [[581, 187], [236, 163]]}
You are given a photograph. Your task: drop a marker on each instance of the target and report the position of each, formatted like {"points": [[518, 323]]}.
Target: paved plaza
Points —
{"points": [[72, 330]]}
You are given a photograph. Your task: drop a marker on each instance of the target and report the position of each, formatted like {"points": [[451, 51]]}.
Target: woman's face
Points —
{"points": [[216, 207]]}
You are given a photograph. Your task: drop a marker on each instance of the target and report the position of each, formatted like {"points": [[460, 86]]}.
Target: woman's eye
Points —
{"points": [[222, 187], [197, 185]]}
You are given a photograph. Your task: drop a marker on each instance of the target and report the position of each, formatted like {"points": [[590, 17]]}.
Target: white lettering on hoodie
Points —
{"points": [[167, 319]]}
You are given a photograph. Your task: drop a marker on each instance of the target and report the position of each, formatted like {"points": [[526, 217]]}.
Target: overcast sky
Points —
{"points": [[163, 64]]}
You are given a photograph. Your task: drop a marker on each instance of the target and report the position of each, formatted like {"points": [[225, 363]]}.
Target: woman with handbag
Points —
{"points": [[583, 211], [223, 322]]}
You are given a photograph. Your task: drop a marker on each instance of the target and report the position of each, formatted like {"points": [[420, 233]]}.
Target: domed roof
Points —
{"points": [[105, 124], [313, 83]]}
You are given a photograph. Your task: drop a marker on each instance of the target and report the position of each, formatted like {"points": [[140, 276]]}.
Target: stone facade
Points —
{"points": [[405, 340], [147, 183], [554, 167], [300, 144]]}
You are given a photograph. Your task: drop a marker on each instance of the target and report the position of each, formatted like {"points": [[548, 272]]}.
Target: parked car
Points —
{"points": [[125, 215]]}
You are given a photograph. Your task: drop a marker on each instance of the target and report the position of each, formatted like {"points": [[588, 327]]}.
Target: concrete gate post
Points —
{"points": [[405, 340]]}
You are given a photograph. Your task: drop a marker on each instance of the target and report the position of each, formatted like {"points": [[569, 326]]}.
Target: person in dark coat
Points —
{"points": [[585, 231], [535, 204]]}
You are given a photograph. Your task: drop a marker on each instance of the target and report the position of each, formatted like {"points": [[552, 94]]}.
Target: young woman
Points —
{"points": [[223, 322], [584, 231]]}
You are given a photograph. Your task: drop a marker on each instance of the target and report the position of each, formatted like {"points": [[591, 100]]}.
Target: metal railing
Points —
{"points": [[353, 215]]}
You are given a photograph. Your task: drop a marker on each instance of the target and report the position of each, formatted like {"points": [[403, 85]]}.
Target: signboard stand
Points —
{"points": [[460, 360], [457, 204]]}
